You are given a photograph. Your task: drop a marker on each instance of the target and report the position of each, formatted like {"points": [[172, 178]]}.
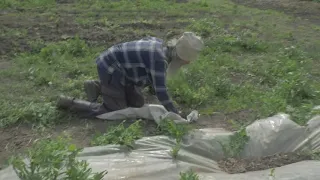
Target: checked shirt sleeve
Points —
{"points": [[158, 74]]}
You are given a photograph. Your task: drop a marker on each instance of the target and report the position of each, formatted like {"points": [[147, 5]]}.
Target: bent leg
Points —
{"points": [[112, 91], [92, 88], [134, 96]]}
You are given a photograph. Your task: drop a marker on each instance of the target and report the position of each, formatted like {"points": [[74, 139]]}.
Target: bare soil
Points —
{"points": [[233, 165], [305, 9]]}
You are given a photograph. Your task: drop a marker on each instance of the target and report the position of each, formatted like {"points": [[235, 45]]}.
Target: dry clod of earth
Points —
{"points": [[237, 165]]}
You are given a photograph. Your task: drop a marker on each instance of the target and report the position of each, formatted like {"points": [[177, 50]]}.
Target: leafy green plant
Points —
{"points": [[75, 47], [175, 150], [53, 159], [272, 173], [315, 155], [174, 130], [189, 175], [120, 135], [236, 143]]}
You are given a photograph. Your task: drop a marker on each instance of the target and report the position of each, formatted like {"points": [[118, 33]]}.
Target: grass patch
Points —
{"points": [[268, 81], [238, 70]]}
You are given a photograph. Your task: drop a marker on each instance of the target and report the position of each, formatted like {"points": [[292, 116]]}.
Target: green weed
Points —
{"points": [[175, 150], [175, 131], [189, 175], [74, 47], [171, 129], [315, 155], [272, 173], [52, 159], [120, 135], [236, 143]]}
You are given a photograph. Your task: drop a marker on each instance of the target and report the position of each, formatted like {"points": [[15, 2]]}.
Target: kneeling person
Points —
{"points": [[126, 68]]}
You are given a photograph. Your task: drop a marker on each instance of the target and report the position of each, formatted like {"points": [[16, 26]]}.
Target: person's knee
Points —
{"points": [[135, 97], [137, 103]]}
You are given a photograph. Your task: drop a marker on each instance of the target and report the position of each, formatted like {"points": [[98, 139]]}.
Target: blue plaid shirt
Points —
{"points": [[141, 62]]}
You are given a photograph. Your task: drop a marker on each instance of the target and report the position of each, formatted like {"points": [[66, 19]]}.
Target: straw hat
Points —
{"points": [[188, 47]]}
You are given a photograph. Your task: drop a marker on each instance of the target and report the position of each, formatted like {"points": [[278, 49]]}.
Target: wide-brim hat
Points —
{"points": [[188, 47]]}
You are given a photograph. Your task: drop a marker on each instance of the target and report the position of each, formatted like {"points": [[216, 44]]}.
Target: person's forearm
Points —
{"points": [[166, 102]]}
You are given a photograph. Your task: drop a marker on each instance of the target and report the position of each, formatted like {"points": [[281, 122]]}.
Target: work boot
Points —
{"points": [[92, 89], [64, 102], [73, 104]]}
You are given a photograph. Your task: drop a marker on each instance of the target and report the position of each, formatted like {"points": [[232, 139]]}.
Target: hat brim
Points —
{"points": [[174, 67]]}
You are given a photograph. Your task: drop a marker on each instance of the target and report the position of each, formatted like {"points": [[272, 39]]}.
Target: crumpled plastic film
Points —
{"points": [[149, 111], [201, 150]]}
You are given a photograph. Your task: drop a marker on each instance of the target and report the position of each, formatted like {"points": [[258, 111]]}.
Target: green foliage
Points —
{"points": [[265, 84], [53, 159], [189, 175], [315, 155], [174, 130], [74, 47], [120, 135], [175, 150], [231, 43], [40, 113], [236, 143], [203, 27]]}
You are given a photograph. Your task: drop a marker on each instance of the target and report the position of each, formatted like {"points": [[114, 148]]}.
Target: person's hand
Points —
{"points": [[182, 114]]}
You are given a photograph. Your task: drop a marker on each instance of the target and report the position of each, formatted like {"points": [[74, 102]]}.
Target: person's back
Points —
{"points": [[136, 60]]}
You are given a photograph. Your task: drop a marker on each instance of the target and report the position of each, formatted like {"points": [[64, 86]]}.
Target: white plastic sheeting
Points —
{"points": [[201, 150], [151, 111]]}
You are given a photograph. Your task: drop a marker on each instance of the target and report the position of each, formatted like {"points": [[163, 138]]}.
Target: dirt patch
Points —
{"points": [[37, 28], [14, 140], [233, 166], [308, 10], [53, 27], [4, 64], [218, 120]]}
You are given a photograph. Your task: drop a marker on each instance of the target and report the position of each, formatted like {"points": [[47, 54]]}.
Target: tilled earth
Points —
{"points": [[236, 165], [306, 9]]}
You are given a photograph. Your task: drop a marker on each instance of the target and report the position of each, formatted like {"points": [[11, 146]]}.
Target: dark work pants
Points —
{"points": [[117, 96]]}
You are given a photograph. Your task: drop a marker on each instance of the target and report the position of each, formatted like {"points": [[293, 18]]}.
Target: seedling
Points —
{"points": [[236, 143], [189, 175], [175, 150]]}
